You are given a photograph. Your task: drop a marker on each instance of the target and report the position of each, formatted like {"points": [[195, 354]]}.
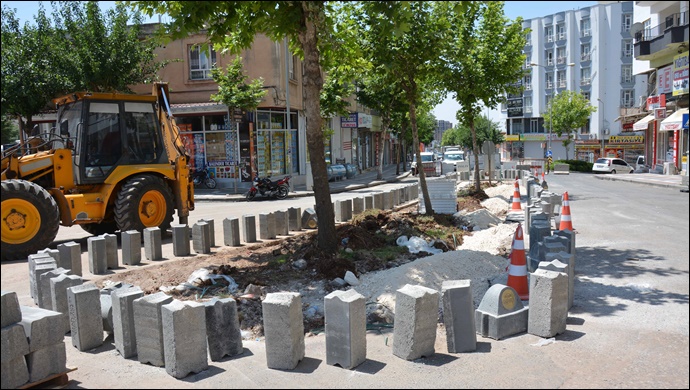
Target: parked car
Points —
{"points": [[612, 165], [426, 157]]}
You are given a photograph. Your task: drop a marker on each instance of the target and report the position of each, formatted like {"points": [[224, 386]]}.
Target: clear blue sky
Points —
{"points": [[446, 110]]}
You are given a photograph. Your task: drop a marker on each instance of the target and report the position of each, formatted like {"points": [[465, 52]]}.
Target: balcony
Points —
{"points": [[585, 57], [549, 38], [561, 83], [561, 60], [664, 39], [585, 81], [549, 85], [626, 79], [585, 33], [549, 62], [561, 36]]}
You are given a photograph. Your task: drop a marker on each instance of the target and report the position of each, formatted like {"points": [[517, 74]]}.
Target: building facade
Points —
{"points": [[441, 127], [661, 53], [589, 51]]}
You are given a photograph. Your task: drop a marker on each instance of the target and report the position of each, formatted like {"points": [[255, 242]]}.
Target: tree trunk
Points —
{"points": [[420, 167], [397, 158], [313, 83], [475, 148], [379, 147]]}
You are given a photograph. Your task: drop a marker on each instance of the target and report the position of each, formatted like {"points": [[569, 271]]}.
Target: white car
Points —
{"points": [[426, 157], [612, 165]]}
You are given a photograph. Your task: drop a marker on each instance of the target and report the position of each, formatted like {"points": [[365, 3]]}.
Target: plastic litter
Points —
{"points": [[417, 244], [544, 342]]}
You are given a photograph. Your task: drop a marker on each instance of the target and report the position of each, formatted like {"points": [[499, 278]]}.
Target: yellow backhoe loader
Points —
{"points": [[112, 162]]}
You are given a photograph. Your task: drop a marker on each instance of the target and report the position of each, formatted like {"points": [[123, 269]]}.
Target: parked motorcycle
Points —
{"points": [[200, 176], [266, 187]]}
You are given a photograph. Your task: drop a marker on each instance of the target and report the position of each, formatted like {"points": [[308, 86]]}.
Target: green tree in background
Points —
{"points": [[567, 112], [234, 91]]}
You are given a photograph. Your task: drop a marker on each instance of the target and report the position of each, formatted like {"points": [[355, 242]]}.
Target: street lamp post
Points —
{"points": [[603, 120], [555, 79]]}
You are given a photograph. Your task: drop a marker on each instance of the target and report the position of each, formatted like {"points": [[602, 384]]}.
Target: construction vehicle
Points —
{"points": [[112, 162]]}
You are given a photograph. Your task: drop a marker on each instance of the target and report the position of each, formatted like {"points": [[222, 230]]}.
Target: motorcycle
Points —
{"points": [[203, 176], [266, 187]]}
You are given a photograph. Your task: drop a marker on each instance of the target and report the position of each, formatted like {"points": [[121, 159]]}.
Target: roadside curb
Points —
{"points": [[647, 183]]}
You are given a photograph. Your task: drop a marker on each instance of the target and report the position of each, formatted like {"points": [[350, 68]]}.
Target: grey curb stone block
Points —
{"points": [[223, 328], [45, 299], [416, 316], [548, 304], [111, 250], [14, 342], [131, 247], [212, 230], [201, 240], [39, 327], [249, 228], [47, 361], [148, 328], [294, 216], [59, 286], [153, 249], [11, 314], [346, 327], [123, 320], [86, 323], [70, 257], [458, 316], [14, 372], [184, 338], [98, 258], [283, 330], [180, 240], [231, 231]]}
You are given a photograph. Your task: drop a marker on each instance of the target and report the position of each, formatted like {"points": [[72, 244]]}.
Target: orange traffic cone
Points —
{"points": [[542, 176], [566, 222], [516, 198], [517, 271]]}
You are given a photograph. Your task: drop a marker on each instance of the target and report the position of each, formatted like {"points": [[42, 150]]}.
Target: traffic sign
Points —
{"points": [[549, 154]]}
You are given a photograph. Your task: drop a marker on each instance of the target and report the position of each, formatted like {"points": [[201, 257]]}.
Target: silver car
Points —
{"points": [[612, 165]]}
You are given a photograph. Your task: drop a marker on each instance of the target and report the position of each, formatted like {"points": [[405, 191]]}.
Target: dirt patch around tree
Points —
{"points": [[295, 263]]}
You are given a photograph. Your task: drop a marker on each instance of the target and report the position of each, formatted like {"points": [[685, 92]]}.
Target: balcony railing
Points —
{"points": [[561, 60], [627, 103], [549, 62], [549, 85], [549, 38], [561, 83], [528, 87], [585, 57], [586, 33], [585, 81], [627, 53], [561, 36], [527, 109], [626, 79], [675, 20]]}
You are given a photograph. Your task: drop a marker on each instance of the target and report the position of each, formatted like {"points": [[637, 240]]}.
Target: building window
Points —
{"points": [[585, 28], [627, 48], [585, 95], [292, 65], [647, 28], [201, 62], [585, 76], [534, 126], [561, 79], [586, 128], [561, 31], [549, 34], [627, 22], [528, 104], [549, 57], [529, 40], [528, 83], [627, 98], [585, 50], [549, 80], [626, 74], [560, 54]]}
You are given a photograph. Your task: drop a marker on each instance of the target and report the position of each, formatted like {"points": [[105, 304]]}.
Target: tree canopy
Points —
{"points": [[567, 112], [233, 90]]}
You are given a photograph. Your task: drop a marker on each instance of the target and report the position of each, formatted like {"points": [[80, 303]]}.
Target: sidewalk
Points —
{"points": [[652, 179], [363, 180]]}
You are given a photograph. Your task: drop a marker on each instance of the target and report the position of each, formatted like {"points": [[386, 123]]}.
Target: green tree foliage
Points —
{"points": [[486, 130], [483, 59], [397, 37], [567, 112], [309, 28], [81, 49], [234, 91], [10, 132]]}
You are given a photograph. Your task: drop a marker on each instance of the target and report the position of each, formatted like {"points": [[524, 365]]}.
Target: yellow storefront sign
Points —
{"points": [[626, 139], [512, 138]]}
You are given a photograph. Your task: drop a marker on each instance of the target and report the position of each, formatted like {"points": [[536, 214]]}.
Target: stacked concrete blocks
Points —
{"points": [[153, 249], [86, 322], [267, 226], [501, 313], [343, 210], [111, 250], [47, 354], [223, 328], [34, 261], [70, 257], [124, 334], [283, 330], [58, 287], [458, 316], [201, 238], [346, 327], [548, 304], [231, 231], [45, 298], [131, 247], [148, 328], [40, 269], [249, 228], [416, 315], [15, 345], [184, 338]]}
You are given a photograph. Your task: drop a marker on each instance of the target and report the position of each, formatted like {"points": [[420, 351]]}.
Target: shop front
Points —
{"points": [[588, 150], [627, 147], [514, 149]]}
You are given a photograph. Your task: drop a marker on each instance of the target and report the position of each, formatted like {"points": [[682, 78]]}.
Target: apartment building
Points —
{"points": [[590, 51], [660, 32], [441, 127]]}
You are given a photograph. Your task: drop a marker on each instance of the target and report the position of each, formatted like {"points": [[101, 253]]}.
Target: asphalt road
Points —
{"points": [[628, 327]]}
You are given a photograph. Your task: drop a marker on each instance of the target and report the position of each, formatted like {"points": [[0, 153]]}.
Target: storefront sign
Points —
{"points": [[656, 102], [660, 113], [680, 74], [665, 80], [533, 137], [349, 121], [512, 138], [626, 139], [363, 120]]}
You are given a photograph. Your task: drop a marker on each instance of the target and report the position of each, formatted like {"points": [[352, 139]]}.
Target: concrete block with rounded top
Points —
{"points": [[131, 247], [54, 253], [39, 327], [294, 219], [184, 338], [212, 229], [458, 315], [231, 231], [548, 303], [281, 222], [378, 200], [153, 249], [14, 342], [14, 372], [35, 260], [86, 323], [416, 315], [368, 202], [283, 330], [70, 257], [559, 266], [500, 313], [124, 335], [148, 328], [11, 314], [222, 328], [98, 257], [569, 260], [59, 286], [249, 228], [111, 250], [38, 270], [201, 240], [346, 328], [45, 299]]}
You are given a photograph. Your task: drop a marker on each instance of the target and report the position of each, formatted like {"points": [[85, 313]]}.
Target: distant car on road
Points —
{"points": [[612, 165], [426, 157]]}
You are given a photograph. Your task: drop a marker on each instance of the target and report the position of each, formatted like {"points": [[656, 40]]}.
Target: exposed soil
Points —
{"points": [[368, 243]]}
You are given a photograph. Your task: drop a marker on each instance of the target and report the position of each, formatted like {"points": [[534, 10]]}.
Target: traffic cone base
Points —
{"points": [[566, 221], [517, 271]]}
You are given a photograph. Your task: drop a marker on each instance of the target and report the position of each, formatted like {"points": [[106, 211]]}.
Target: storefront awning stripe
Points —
{"points": [[642, 123], [674, 121]]}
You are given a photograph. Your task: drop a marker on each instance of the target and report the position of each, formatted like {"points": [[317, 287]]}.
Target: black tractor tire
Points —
{"points": [[138, 197], [98, 229], [26, 205]]}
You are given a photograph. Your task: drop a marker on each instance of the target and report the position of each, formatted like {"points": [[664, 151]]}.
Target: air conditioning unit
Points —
{"points": [[606, 131]]}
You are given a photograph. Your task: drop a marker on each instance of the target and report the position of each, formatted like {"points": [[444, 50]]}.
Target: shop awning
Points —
{"points": [[674, 121], [642, 123]]}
